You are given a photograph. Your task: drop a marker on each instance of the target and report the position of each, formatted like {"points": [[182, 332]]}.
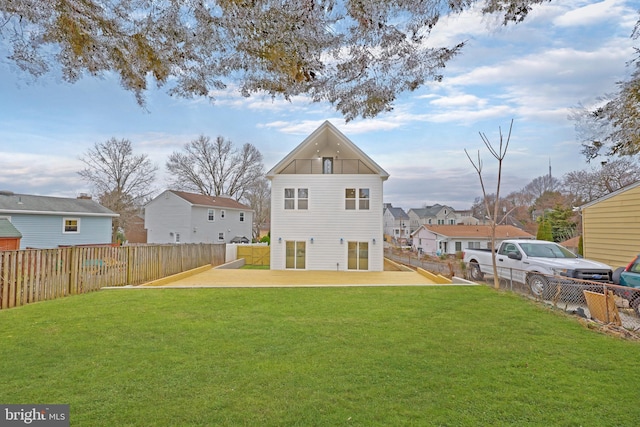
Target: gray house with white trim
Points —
{"points": [[182, 217], [49, 222]]}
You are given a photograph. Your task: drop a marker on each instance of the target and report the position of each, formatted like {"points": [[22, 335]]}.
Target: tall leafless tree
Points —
{"points": [[121, 180], [215, 168], [499, 155]]}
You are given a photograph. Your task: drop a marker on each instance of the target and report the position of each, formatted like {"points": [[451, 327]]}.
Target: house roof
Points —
{"points": [[11, 203], [429, 211], [397, 213], [8, 230], [477, 231], [610, 195], [212, 201], [327, 140]]}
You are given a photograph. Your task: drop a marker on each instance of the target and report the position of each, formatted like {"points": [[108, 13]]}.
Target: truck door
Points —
{"points": [[510, 268]]}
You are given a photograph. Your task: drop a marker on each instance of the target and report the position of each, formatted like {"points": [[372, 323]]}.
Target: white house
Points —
{"points": [[48, 222], [181, 217], [396, 224], [449, 239], [326, 206]]}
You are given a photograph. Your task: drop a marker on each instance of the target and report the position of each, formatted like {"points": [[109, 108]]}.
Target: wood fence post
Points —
{"points": [[73, 272]]}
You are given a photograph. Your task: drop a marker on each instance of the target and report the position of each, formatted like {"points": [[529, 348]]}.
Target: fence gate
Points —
{"points": [[254, 255]]}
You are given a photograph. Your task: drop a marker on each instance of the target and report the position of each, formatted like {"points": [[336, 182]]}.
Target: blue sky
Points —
{"points": [[566, 52]]}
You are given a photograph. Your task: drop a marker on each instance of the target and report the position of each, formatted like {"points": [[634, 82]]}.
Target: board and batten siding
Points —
{"points": [[46, 231], [326, 220], [611, 228]]}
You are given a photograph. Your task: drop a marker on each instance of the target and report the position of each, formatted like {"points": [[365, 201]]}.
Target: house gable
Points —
{"points": [[327, 142]]}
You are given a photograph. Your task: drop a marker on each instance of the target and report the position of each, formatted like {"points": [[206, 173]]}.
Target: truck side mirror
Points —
{"points": [[514, 255]]}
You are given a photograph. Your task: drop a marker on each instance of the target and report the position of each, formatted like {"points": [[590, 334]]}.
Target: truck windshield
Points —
{"points": [[546, 250]]}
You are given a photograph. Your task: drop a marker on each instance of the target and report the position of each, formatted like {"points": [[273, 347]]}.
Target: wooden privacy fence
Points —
{"points": [[41, 274]]}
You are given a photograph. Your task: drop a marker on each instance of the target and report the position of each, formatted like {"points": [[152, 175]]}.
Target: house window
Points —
{"points": [[211, 215], [364, 199], [473, 245], [350, 199], [295, 255], [241, 216], [358, 256], [303, 198], [327, 165], [429, 221], [458, 246], [361, 196], [177, 237], [220, 236], [71, 225], [222, 214], [452, 222], [441, 222], [289, 198]]}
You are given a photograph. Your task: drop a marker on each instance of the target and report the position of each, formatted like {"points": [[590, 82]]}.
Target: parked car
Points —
{"points": [[629, 276]]}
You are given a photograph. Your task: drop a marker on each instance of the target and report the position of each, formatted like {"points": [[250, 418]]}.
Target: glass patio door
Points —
{"points": [[358, 256], [295, 255]]}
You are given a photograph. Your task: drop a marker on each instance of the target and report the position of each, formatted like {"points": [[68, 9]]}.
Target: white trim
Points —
{"points": [[64, 225]]}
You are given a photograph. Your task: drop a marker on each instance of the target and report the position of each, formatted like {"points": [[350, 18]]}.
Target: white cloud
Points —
{"points": [[591, 14]]}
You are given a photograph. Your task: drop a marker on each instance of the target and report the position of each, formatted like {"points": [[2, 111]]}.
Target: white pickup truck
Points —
{"points": [[532, 261]]}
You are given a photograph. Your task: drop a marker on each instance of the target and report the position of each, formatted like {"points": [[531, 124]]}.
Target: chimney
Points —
{"points": [[84, 196]]}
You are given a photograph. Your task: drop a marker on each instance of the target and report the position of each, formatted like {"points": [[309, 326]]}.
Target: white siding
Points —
{"points": [[326, 220]]}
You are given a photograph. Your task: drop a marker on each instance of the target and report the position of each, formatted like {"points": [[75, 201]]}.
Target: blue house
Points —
{"points": [[49, 222]]}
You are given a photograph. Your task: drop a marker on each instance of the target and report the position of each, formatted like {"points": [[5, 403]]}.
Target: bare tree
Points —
{"points": [[356, 54], [587, 185], [499, 155], [258, 196], [121, 180], [215, 168], [613, 128]]}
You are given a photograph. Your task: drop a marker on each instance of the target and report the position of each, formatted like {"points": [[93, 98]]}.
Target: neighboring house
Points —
{"points": [[466, 217], [431, 215], [396, 224], [49, 222], [450, 239], [326, 206], [611, 227], [181, 217], [9, 236], [135, 232]]}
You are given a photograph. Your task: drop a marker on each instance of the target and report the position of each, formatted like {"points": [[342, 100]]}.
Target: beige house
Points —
{"points": [[611, 227]]}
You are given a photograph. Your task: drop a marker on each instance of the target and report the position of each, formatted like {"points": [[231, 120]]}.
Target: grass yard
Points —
{"points": [[420, 356]]}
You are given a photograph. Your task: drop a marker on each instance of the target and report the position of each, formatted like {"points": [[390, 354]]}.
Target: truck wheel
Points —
{"points": [[537, 284], [475, 272]]}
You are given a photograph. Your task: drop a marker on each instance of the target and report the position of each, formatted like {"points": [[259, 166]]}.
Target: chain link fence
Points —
{"points": [[609, 304], [600, 301]]}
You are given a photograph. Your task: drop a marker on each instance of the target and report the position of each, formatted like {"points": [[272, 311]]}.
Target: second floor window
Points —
{"points": [[353, 195], [302, 197], [211, 215], [241, 216]]}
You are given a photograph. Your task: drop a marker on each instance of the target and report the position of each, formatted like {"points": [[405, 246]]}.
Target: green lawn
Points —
{"points": [[416, 356]]}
